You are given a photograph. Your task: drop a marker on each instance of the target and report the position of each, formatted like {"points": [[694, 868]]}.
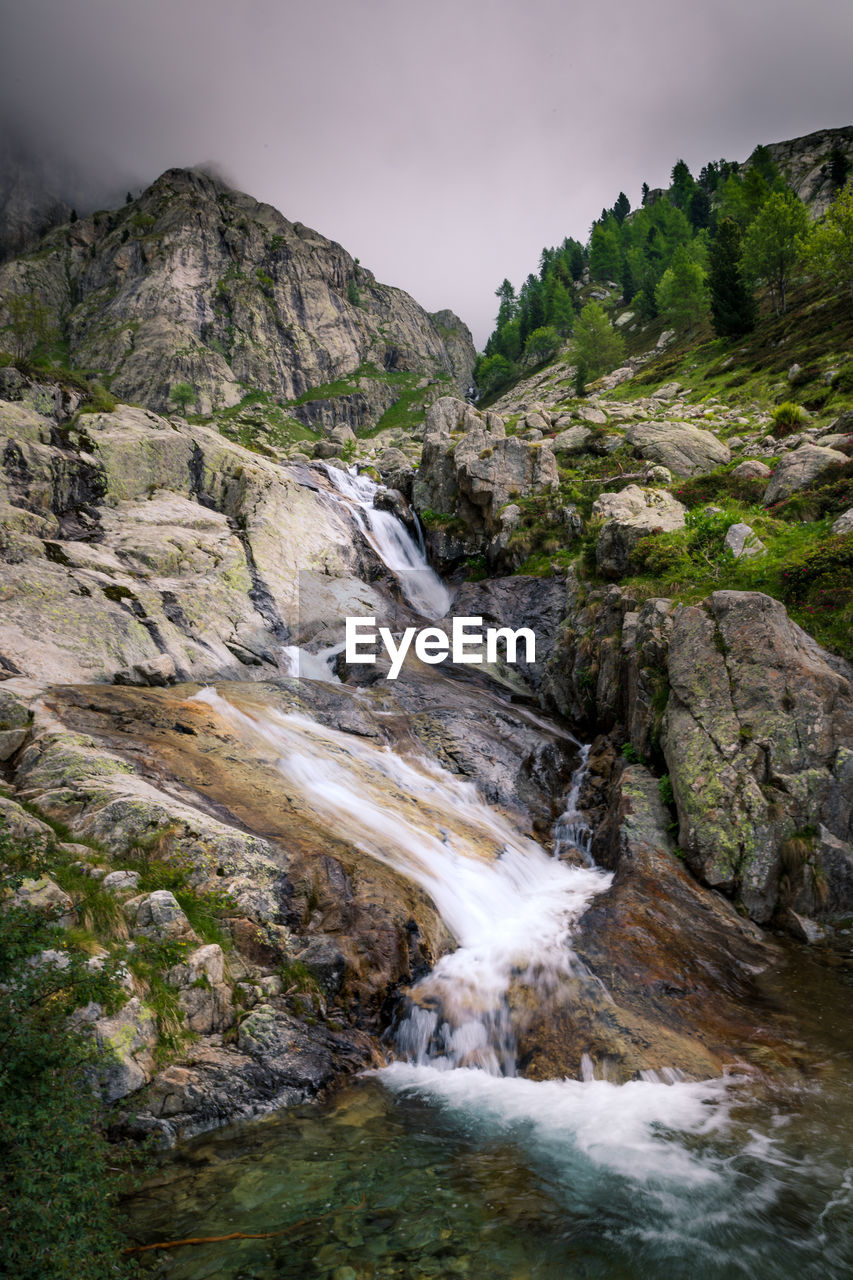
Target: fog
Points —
{"points": [[442, 144]]}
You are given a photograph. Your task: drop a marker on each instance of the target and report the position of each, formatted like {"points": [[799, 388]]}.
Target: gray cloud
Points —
{"points": [[443, 144]]}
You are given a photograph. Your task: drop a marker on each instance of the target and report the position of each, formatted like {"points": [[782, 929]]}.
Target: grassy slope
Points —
{"points": [[804, 565]]}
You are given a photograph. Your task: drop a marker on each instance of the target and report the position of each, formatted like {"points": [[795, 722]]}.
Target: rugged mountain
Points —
{"points": [[195, 283], [805, 163]]}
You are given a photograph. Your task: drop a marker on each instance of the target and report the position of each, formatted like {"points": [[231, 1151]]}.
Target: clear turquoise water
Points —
{"points": [[409, 1184]]}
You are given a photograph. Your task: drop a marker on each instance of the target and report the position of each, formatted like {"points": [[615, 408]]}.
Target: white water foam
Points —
{"points": [[420, 584], [625, 1128], [509, 905]]}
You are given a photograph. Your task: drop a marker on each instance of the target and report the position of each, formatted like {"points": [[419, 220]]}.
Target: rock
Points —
{"points": [[625, 318], [45, 895], [14, 722], [649, 995], [129, 1037], [751, 469], [803, 929], [121, 881], [741, 540], [396, 471], [475, 476], [668, 391], [659, 475], [629, 516], [153, 671], [159, 915], [844, 524], [758, 740], [145, 551], [326, 963], [22, 826], [685, 449], [797, 470], [572, 440], [592, 414]]}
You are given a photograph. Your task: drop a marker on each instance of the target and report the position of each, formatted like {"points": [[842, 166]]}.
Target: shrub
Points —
{"points": [[715, 486], [58, 1176], [826, 570], [787, 417], [182, 396]]}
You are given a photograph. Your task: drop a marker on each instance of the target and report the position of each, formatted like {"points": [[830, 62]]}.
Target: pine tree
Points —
{"points": [[732, 303], [681, 295], [621, 208]]}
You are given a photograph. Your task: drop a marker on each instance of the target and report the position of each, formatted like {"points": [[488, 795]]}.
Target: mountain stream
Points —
{"points": [[448, 1161]]}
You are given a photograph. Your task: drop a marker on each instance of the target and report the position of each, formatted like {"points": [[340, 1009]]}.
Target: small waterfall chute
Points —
{"points": [[397, 549]]}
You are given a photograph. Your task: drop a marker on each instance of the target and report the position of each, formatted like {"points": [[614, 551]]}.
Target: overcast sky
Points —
{"points": [[443, 142]]}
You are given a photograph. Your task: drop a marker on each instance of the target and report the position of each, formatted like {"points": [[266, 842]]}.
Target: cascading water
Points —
{"points": [[421, 586], [446, 1162], [508, 903], [571, 830]]}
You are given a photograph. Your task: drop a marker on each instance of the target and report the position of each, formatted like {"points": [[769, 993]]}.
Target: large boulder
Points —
{"points": [[666, 966], [143, 550], [797, 470], [470, 468], [628, 516], [758, 740], [685, 449]]}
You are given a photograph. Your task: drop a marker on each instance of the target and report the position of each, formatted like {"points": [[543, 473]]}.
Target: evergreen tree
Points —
{"points": [[699, 209], [621, 208], [774, 244], [508, 303], [645, 193], [605, 250], [830, 247], [598, 347], [559, 310], [732, 303], [839, 167], [542, 344], [682, 296], [681, 185], [492, 372], [629, 288]]}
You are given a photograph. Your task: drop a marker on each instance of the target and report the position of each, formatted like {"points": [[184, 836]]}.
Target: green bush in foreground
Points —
{"points": [[58, 1175]]}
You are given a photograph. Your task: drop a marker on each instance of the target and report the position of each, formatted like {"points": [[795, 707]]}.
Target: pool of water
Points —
{"points": [[416, 1172]]}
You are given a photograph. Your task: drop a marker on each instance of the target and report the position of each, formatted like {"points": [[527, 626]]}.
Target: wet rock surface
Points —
{"points": [[646, 993]]}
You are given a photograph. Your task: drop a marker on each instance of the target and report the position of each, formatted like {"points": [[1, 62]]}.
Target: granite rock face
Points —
{"points": [[686, 450], [758, 737], [143, 550], [195, 283], [628, 516], [470, 469], [797, 470], [751, 719]]}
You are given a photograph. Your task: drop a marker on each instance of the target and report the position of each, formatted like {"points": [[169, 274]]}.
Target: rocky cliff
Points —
{"points": [[806, 161], [195, 283]]}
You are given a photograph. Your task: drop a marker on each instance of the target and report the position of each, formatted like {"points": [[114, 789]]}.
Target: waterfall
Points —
{"points": [[421, 586], [571, 830], [508, 903]]}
